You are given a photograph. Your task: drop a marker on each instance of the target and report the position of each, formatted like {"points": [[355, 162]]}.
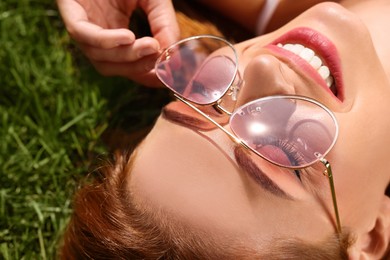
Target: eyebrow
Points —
{"points": [[247, 164], [184, 119], [242, 158]]}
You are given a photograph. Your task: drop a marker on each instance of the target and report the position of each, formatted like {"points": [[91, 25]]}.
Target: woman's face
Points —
{"points": [[196, 175]]}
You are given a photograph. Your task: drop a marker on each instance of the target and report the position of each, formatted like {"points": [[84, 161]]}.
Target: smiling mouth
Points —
{"points": [[316, 53], [313, 59]]}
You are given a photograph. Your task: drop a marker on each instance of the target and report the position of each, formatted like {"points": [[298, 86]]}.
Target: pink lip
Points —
{"points": [[320, 45]]}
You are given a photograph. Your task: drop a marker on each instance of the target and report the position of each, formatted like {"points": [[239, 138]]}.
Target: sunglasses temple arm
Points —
{"points": [[328, 172], [234, 138], [222, 110]]}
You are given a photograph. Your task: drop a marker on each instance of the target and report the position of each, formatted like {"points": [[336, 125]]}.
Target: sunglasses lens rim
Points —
{"points": [[165, 53], [317, 157]]}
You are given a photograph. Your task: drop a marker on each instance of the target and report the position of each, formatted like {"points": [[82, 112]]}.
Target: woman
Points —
{"points": [[186, 192]]}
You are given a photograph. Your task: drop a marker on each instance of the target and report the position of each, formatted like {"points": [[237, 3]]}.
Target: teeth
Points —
{"points": [[297, 48], [307, 54], [316, 62], [324, 72], [310, 56], [329, 81]]}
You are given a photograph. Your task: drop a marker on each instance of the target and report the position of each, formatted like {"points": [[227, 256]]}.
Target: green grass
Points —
{"points": [[54, 109]]}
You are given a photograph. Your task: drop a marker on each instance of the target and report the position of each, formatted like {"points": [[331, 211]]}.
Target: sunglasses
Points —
{"points": [[289, 131]]}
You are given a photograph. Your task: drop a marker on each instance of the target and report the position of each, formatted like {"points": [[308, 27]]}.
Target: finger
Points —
{"points": [[83, 31], [133, 71], [93, 35], [124, 53], [162, 20]]}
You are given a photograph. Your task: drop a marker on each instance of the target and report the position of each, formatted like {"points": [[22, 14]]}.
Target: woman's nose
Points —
{"points": [[264, 76]]}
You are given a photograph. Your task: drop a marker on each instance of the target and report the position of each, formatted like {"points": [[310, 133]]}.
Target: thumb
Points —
{"points": [[162, 20]]}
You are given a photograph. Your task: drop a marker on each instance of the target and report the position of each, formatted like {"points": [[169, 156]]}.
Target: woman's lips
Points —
{"points": [[322, 47]]}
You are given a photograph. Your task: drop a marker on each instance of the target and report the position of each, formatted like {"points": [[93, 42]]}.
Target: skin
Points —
{"points": [[101, 30], [193, 174]]}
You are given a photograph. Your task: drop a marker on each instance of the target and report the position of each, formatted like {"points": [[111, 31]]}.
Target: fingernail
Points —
{"points": [[122, 43], [146, 52], [126, 41]]}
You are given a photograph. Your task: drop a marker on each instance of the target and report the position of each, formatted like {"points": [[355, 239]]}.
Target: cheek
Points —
{"points": [[192, 179], [361, 161]]}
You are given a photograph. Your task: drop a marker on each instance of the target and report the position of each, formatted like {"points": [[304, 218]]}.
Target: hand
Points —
{"points": [[100, 27]]}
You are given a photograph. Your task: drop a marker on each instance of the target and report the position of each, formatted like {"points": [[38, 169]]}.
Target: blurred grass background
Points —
{"points": [[54, 111]]}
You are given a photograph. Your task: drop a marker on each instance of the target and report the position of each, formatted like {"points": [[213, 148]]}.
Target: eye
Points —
{"points": [[199, 88], [291, 152], [293, 156], [283, 151]]}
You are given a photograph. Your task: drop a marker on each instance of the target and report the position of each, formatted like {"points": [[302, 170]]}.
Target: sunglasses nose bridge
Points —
{"points": [[227, 102]]}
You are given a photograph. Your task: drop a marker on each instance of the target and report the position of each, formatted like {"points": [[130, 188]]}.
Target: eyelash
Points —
{"points": [[292, 155], [198, 87], [298, 174]]}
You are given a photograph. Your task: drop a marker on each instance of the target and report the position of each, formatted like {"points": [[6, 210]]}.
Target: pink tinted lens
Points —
{"points": [[200, 69], [289, 131]]}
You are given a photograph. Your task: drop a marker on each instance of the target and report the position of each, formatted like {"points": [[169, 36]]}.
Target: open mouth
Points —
{"points": [[314, 60], [318, 53]]}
